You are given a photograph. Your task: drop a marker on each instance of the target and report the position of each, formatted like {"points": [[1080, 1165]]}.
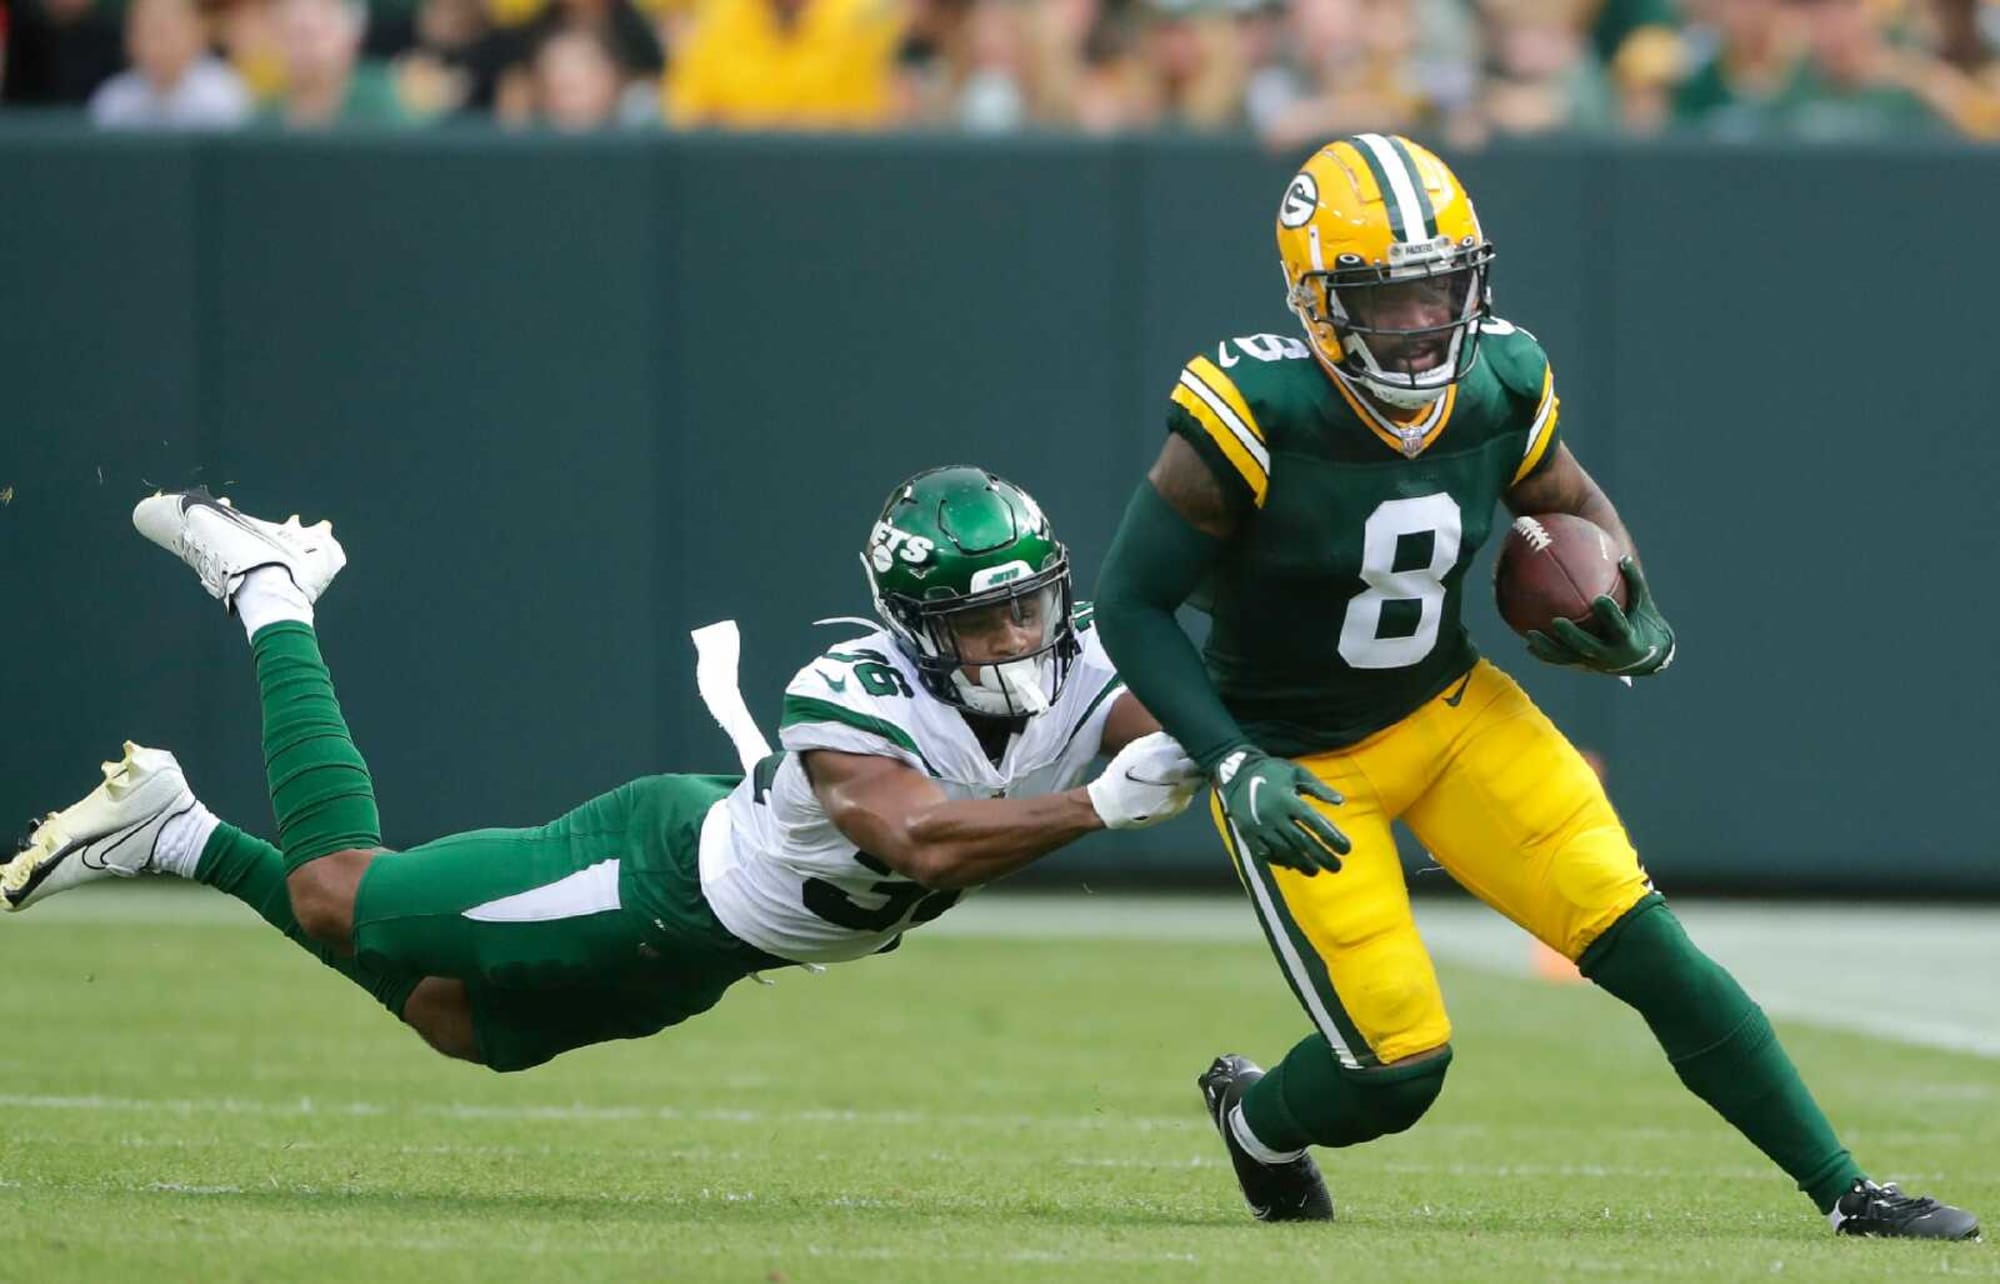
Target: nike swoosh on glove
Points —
{"points": [[1152, 779], [1265, 799]]}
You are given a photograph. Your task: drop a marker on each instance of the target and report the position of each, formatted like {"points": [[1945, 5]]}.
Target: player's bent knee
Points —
{"points": [[1401, 1094], [322, 894], [322, 919], [440, 1011], [1375, 1102]]}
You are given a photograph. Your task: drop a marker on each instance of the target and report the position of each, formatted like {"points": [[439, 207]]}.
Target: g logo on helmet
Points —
{"points": [[1301, 199]]}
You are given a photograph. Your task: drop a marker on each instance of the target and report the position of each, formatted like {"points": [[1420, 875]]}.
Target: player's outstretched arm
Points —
{"points": [[1630, 641], [899, 815]]}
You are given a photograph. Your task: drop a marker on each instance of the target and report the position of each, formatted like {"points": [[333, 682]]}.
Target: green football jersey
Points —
{"points": [[1336, 607]]}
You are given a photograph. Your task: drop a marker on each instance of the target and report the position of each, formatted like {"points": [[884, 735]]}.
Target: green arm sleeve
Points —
{"points": [[1156, 560]]}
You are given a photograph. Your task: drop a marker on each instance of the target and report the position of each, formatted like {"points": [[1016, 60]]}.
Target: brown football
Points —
{"points": [[1552, 567]]}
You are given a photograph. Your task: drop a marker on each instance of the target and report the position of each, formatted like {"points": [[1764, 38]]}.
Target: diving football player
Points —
{"points": [[932, 754], [1323, 495]]}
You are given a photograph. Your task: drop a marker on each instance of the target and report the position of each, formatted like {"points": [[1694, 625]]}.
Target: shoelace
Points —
{"points": [[209, 566], [1891, 1199]]}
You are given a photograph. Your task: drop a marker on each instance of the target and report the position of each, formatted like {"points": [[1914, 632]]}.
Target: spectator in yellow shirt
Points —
{"points": [[787, 64]]}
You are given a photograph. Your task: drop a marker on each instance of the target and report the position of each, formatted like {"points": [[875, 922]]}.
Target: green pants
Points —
{"points": [[589, 928]]}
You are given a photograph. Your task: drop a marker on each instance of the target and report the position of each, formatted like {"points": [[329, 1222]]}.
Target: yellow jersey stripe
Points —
{"points": [[1253, 473], [1224, 412], [1224, 387], [1446, 404], [1543, 430], [1354, 403]]}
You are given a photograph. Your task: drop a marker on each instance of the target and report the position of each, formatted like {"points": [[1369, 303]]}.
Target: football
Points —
{"points": [[1552, 567]]}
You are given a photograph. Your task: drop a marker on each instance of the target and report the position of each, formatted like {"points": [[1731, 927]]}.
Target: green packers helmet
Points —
{"points": [[975, 589]]}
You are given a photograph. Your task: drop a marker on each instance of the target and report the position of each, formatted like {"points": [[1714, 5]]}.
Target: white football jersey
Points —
{"points": [[780, 875]]}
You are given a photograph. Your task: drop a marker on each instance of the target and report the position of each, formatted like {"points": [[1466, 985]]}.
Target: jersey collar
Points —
{"points": [[1407, 439]]}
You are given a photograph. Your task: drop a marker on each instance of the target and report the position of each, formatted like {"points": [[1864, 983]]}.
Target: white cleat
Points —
{"points": [[223, 545], [112, 833]]}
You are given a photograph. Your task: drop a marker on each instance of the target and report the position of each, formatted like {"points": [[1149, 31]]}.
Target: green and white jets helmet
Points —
{"points": [[963, 564]]}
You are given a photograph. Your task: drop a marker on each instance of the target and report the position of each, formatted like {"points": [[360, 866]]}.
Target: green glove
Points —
{"points": [[1631, 642], [1265, 801]]}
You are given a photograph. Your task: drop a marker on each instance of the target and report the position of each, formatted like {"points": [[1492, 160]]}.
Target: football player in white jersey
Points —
{"points": [[942, 750]]}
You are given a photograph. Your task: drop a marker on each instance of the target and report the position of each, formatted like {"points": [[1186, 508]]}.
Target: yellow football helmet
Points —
{"points": [[1386, 266]]}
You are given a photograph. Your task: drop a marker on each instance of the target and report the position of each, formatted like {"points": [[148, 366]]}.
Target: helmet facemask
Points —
{"points": [[1406, 331], [1014, 612]]}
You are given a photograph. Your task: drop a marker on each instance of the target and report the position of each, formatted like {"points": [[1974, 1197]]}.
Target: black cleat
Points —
{"points": [[1292, 1192], [1868, 1209]]}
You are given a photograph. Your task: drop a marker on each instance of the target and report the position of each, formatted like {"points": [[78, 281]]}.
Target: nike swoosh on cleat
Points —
{"points": [[200, 498], [117, 839], [1459, 694], [130, 832]]}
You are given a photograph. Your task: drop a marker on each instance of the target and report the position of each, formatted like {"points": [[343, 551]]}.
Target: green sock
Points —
{"points": [[1721, 1045], [253, 871], [320, 788]]}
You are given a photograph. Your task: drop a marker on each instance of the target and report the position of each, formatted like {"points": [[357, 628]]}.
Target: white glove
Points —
{"points": [[1151, 780]]}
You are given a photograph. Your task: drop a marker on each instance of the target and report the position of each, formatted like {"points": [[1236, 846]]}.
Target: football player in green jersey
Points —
{"points": [[1325, 496], [923, 757]]}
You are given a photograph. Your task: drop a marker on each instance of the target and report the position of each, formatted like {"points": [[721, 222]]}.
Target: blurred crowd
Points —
{"points": [[1291, 71]]}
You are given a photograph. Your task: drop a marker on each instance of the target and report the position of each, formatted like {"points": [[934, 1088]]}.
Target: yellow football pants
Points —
{"points": [[1505, 804]]}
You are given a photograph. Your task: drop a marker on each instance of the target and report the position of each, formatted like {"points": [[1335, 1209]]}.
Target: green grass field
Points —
{"points": [[188, 1097]]}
